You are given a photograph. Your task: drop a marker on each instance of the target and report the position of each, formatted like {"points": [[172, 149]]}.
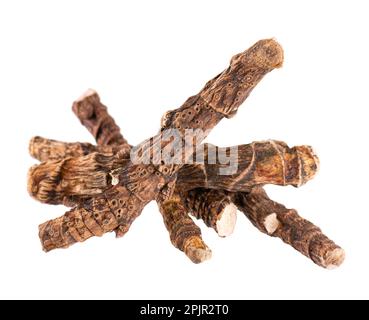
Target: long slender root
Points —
{"points": [[276, 220]]}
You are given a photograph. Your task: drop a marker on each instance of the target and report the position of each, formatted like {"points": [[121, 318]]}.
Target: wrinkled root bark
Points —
{"points": [[107, 190], [276, 220]]}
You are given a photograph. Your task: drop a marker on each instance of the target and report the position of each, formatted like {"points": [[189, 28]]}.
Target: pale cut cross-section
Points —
{"points": [[334, 259], [271, 223], [89, 92], [225, 225]]}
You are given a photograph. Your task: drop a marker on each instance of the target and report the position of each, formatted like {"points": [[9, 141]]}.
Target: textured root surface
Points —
{"points": [[276, 220], [109, 192], [59, 181], [257, 163], [214, 207], [184, 233], [94, 116], [117, 209]]}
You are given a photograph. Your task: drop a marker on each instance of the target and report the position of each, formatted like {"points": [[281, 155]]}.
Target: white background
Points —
{"points": [[145, 57]]}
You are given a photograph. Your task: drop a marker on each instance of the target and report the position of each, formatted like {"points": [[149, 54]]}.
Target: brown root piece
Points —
{"points": [[220, 98], [116, 208], [115, 204], [109, 190], [228, 90], [94, 116], [46, 149], [224, 224], [184, 233], [259, 163], [276, 220], [71, 180], [214, 207]]}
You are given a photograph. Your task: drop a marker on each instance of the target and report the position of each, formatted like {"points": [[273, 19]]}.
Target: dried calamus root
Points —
{"points": [[184, 233], [94, 116], [107, 191], [214, 207], [276, 220], [139, 184], [258, 163]]}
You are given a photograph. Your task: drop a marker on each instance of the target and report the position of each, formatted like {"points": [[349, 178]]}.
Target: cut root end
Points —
{"points": [[89, 92], [196, 250], [227, 221], [271, 223], [334, 259], [197, 255]]}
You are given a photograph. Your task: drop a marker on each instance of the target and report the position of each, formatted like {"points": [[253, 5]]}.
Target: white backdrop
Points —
{"points": [[145, 57]]}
